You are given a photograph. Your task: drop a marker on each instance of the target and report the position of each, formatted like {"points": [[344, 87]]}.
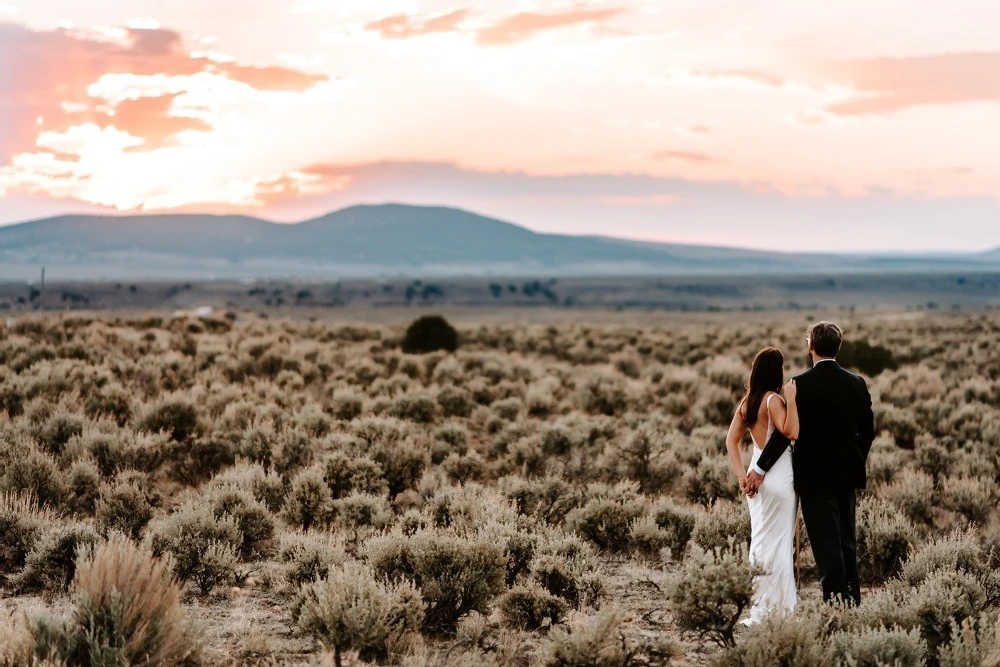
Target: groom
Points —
{"points": [[836, 430]]}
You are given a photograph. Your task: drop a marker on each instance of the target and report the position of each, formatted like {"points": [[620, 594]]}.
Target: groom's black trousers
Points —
{"points": [[830, 524]]}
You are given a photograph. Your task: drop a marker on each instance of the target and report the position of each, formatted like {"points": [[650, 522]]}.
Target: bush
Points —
{"points": [[794, 640], [361, 510], [455, 402], [970, 644], [123, 507], [127, 612], [345, 474], [309, 501], [973, 498], [306, 558], [713, 588], [29, 472], [867, 358], [876, 648], [710, 481], [595, 642], [724, 522], [83, 487], [429, 334], [530, 607], [174, 416], [454, 575], [883, 540], [253, 520], [606, 523], [565, 578], [549, 498], [22, 522], [913, 492], [204, 549], [677, 522], [351, 610], [51, 564]]}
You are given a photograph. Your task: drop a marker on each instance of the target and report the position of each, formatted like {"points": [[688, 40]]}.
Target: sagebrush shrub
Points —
{"points": [[51, 564], [677, 522], [83, 487], [123, 507], [875, 648], [723, 523], [530, 607], [454, 575], [588, 642], [253, 520], [309, 500], [345, 474], [174, 415], [884, 540], [307, 557], [913, 492], [711, 592], [971, 643], [605, 522], [352, 610], [204, 548], [797, 640], [973, 498]]}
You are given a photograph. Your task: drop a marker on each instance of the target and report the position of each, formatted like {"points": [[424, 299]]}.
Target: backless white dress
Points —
{"points": [[772, 534]]}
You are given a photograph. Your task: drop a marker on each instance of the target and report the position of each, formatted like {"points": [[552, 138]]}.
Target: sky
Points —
{"points": [[841, 126]]}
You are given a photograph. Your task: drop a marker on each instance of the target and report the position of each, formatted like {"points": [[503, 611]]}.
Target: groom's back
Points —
{"points": [[836, 429]]}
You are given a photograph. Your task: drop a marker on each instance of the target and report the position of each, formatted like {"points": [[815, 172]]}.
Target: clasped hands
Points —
{"points": [[751, 483]]}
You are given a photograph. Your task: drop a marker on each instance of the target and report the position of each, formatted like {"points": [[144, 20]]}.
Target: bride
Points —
{"points": [[773, 509]]}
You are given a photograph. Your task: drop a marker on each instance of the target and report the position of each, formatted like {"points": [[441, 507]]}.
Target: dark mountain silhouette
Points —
{"points": [[387, 239]]}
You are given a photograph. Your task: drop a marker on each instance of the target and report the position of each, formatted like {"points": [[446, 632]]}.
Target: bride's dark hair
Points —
{"points": [[767, 373]]}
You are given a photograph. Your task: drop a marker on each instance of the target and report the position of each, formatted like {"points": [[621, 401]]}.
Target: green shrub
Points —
{"points": [[56, 431], [913, 492], [565, 577], [593, 642], [677, 522], [30, 472], [345, 474], [22, 522], [254, 522], [429, 334], [360, 511], [711, 592], [648, 539], [970, 643], [530, 607], [974, 499], [348, 404], [865, 357], [711, 480], [605, 522], [548, 498], [83, 487], [725, 521], [306, 558], [51, 564], [175, 416], [204, 549], [454, 575], [351, 610], [791, 640], [883, 535], [309, 501], [123, 507], [876, 648], [455, 402], [419, 407]]}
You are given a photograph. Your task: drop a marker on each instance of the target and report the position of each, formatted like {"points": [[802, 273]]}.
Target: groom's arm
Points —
{"points": [[866, 419], [773, 450]]}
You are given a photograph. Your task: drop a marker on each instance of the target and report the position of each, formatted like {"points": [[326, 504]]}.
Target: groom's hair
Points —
{"points": [[826, 338]]}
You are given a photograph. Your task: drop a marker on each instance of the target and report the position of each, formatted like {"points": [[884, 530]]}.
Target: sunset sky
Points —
{"points": [[848, 125]]}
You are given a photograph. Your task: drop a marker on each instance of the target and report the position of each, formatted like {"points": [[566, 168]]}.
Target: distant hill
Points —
{"points": [[385, 240]]}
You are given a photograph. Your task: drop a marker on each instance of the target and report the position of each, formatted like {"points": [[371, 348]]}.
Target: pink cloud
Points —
{"points": [[684, 156], [401, 26], [525, 25], [890, 84]]}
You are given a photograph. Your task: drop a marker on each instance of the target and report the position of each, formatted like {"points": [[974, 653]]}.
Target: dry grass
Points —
{"points": [[545, 489]]}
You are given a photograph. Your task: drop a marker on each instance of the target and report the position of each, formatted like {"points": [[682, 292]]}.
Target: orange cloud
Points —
{"points": [[400, 26], [890, 84], [45, 76], [525, 25]]}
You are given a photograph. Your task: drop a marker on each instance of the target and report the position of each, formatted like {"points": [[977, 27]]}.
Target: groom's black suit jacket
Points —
{"points": [[836, 431]]}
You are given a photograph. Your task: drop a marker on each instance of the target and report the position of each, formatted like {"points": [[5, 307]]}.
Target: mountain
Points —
{"points": [[382, 240]]}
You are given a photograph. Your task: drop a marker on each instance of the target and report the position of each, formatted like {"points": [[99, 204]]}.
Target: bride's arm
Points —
{"points": [[737, 429], [785, 417]]}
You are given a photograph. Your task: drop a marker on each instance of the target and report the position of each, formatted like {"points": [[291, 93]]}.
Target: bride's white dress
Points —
{"points": [[772, 535]]}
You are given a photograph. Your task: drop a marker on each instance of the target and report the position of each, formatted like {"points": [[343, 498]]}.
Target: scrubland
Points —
{"points": [[238, 490]]}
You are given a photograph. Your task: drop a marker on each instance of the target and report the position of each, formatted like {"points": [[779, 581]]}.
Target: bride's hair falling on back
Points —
{"points": [[767, 373]]}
